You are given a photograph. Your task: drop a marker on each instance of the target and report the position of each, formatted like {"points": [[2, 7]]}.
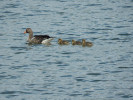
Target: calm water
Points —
{"points": [[39, 72]]}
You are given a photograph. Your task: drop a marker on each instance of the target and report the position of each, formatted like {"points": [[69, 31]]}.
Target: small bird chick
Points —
{"points": [[84, 43], [76, 42], [62, 42]]}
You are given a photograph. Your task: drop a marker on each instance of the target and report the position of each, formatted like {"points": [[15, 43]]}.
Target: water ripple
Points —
{"points": [[14, 92], [80, 79], [94, 5], [66, 76], [95, 74], [18, 48]]}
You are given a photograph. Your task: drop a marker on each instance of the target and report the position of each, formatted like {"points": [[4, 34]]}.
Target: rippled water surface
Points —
{"points": [[39, 72]]}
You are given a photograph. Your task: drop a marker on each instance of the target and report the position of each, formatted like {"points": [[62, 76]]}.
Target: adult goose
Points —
{"points": [[37, 39]]}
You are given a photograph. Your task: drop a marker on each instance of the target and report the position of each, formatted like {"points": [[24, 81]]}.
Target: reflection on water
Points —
{"points": [[66, 72]]}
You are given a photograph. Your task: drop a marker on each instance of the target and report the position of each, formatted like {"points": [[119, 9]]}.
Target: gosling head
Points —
{"points": [[73, 42], [59, 40], [83, 42]]}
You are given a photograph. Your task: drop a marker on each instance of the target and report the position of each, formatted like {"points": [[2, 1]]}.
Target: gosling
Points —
{"points": [[62, 42], [76, 42], [84, 43]]}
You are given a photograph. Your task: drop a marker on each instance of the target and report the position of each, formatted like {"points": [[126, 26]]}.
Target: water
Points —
{"points": [[54, 72]]}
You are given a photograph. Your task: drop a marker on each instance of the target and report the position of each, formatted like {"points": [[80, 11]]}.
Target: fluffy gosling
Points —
{"points": [[76, 42], [84, 43], [62, 42]]}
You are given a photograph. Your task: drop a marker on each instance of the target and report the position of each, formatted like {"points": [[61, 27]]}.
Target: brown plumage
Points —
{"points": [[76, 42], [37, 39], [84, 43], [62, 42]]}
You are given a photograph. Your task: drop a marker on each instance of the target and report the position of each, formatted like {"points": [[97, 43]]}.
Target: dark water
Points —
{"points": [[39, 72]]}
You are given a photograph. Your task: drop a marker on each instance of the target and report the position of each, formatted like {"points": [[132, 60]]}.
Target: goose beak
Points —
{"points": [[24, 32]]}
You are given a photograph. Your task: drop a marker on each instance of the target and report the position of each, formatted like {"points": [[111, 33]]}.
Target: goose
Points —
{"points": [[37, 39], [84, 43], [62, 42], [76, 42]]}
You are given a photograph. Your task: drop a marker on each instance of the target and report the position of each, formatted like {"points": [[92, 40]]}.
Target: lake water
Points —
{"points": [[39, 72]]}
